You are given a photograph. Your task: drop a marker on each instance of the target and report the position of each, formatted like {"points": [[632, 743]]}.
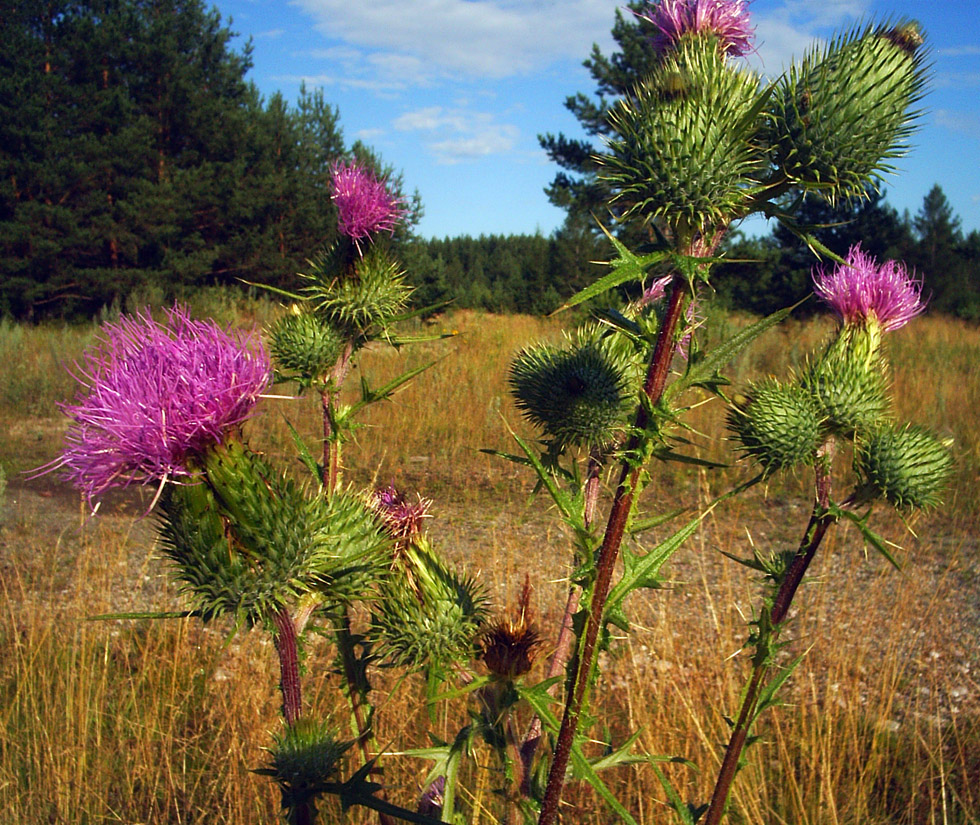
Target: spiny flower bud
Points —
{"points": [[303, 347], [778, 425], [304, 757], [509, 644], [843, 112], [849, 382], [374, 292], [684, 147], [430, 619], [907, 466], [578, 395]]}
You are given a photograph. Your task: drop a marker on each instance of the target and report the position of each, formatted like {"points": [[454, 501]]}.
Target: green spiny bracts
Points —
{"points": [[246, 541], [907, 466], [849, 382], [427, 616], [578, 394], [304, 758], [304, 348], [778, 425], [368, 298], [839, 116], [685, 148]]}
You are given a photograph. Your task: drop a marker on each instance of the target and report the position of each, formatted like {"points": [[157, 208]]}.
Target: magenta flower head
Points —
{"points": [[157, 395], [364, 202], [402, 518], [728, 20], [861, 290]]}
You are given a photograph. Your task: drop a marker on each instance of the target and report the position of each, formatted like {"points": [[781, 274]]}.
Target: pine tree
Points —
{"points": [[575, 188]]}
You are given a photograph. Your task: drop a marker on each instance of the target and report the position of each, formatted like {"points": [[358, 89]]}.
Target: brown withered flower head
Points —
{"points": [[510, 645]]}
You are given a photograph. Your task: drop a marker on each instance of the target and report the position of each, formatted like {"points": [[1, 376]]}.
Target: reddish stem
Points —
{"points": [[820, 521], [292, 705], [288, 650], [566, 633], [656, 380]]}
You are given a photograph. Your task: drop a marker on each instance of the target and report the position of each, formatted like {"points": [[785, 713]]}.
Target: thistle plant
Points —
{"points": [[699, 144]]}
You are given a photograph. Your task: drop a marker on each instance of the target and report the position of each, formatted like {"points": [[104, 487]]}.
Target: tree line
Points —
{"points": [[136, 158], [137, 162]]}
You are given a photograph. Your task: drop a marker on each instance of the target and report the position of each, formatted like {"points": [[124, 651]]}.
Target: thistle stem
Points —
{"points": [[820, 521], [566, 633], [288, 650], [328, 401], [656, 380], [292, 705]]}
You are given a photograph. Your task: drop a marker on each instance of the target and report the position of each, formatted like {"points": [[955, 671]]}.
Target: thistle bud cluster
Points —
{"points": [[702, 141], [844, 393], [353, 289]]}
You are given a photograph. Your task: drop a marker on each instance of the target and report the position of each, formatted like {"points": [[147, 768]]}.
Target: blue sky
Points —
{"points": [[455, 92]]}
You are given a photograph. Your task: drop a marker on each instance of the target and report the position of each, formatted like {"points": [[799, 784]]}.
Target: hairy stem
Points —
{"points": [[303, 812], [288, 650], [820, 521], [328, 401], [656, 380], [566, 633]]}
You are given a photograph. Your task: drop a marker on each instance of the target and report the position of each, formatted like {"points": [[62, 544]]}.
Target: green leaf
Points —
{"points": [[640, 570], [475, 684], [626, 268], [767, 698], [562, 499], [582, 769], [705, 370], [683, 811], [372, 396], [304, 453], [869, 535], [291, 295], [178, 614], [655, 521]]}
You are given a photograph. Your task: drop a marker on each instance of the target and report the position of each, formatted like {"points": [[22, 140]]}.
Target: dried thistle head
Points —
{"points": [[510, 645]]}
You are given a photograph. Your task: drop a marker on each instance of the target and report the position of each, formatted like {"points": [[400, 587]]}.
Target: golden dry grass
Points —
{"points": [[160, 722]]}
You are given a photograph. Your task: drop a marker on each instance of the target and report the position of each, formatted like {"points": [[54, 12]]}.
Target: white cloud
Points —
{"points": [[427, 39], [787, 31], [967, 123], [457, 135], [959, 51], [270, 34]]}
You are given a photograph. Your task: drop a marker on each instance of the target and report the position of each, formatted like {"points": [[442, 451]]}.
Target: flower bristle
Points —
{"points": [[402, 518], [156, 396], [364, 204], [862, 290], [726, 20]]}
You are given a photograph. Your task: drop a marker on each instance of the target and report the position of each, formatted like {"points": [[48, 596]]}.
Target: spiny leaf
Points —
{"points": [[706, 368], [626, 268]]}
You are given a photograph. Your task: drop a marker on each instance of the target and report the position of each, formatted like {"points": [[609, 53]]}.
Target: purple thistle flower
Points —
{"points": [[402, 517], [364, 203], [431, 802], [861, 290], [156, 396], [728, 20]]}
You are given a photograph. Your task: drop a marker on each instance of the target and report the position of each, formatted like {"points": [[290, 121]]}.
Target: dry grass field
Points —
{"points": [[162, 721]]}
